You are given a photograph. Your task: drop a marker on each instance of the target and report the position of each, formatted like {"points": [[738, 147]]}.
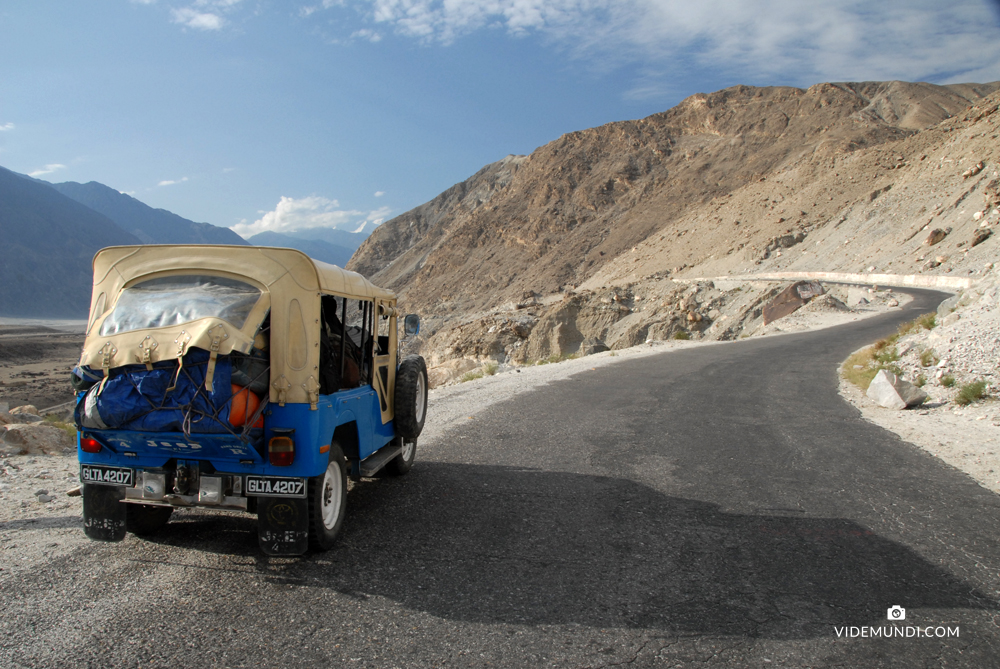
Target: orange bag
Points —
{"points": [[244, 406]]}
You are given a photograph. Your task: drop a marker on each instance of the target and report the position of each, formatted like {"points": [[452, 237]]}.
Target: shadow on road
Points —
{"points": [[500, 544]]}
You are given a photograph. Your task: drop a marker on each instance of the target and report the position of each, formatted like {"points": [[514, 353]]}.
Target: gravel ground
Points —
{"points": [[966, 347]]}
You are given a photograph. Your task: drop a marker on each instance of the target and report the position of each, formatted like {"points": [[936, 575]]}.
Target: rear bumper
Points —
{"points": [[187, 485]]}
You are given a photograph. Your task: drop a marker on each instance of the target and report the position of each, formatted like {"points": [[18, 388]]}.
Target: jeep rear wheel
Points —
{"points": [[411, 397], [328, 501]]}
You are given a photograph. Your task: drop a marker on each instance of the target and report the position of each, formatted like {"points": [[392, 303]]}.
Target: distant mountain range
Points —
{"points": [[49, 241], [326, 244], [50, 233], [150, 226]]}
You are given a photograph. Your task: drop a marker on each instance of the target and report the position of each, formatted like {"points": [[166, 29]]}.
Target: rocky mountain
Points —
{"points": [[151, 226], [49, 241], [836, 177]]}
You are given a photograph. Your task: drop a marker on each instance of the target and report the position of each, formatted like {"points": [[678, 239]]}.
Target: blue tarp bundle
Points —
{"points": [[135, 398]]}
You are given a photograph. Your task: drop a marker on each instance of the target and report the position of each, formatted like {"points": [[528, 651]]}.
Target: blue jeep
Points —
{"points": [[245, 378]]}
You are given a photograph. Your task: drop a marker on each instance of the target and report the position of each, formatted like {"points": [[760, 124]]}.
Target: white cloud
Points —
{"points": [[308, 10], [204, 14], [379, 193], [6, 126], [768, 40], [367, 34], [48, 169], [378, 215], [192, 18], [293, 214], [171, 182]]}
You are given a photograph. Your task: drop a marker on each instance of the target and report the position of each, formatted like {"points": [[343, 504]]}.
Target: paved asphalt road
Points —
{"points": [[718, 506]]}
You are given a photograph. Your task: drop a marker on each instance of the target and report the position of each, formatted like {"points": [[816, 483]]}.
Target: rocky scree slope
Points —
{"points": [[595, 234], [964, 346]]}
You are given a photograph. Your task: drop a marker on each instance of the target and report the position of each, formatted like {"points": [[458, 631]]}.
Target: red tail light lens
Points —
{"points": [[281, 451], [90, 445]]}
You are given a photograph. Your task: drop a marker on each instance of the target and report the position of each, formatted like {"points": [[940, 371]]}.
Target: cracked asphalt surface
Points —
{"points": [[717, 506]]}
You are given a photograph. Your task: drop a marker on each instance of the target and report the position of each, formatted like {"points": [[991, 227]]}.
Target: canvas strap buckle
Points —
{"points": [[216, 335], [107, 353], [146, 348], [182, 341], [312, 392], [281, 385]]}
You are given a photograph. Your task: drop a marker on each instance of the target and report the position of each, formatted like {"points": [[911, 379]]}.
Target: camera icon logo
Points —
{"points": [[897, 613]]}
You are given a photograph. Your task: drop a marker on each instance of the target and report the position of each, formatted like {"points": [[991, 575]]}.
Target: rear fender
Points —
{"points": [[346, 436]]}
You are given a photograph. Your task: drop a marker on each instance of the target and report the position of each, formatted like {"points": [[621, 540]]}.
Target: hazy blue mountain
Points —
{"points": [[349, 240], [152, 226], [319, 249], [48, 243]]}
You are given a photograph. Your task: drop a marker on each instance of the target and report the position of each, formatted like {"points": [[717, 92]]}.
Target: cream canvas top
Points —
{"points": [[290, 285]]}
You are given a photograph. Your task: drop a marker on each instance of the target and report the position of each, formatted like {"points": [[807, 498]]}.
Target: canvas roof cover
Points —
{"points": [[251, 281]]}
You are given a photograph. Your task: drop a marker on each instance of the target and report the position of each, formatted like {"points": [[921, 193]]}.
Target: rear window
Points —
{"points": [[173, 300]]}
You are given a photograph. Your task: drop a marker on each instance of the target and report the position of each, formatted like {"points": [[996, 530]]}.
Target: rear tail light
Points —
{"points": [[90, 445], [281, 451]]}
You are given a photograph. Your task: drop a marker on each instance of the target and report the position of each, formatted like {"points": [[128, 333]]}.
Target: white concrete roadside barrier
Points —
{"points": [[950, 283]]}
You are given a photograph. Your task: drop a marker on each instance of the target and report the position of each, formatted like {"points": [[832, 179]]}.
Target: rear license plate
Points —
{"points": [[107, 475], [275, 486]]}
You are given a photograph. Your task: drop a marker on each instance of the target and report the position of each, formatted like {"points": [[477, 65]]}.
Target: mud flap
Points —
{"points": [[283, 525], [103, 512]]}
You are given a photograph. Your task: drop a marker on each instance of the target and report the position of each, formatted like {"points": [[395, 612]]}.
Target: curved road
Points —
{"points": [[720, 505]]}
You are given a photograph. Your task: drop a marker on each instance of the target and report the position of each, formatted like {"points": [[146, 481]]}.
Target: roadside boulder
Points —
{"points": [[790, 299], [936, 236], [892, 392], [948, 306], [592, 345], [36, 440], [22, 418], [449, 371], [26, 408], [981, 236], [974, 170]]}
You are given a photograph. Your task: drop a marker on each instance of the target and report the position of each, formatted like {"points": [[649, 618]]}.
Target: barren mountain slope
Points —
{"points": [[555, 217], [597, 235]]}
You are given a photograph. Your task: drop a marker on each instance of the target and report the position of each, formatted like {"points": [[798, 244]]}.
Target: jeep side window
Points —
{"points": [[345, 343], [382, 340], [339, 359], [360, 315]]}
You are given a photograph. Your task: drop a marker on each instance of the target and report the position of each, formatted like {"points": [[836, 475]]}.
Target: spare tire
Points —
{"points": [[411, 396]]}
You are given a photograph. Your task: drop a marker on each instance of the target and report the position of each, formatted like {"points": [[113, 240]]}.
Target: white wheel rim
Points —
{"points": [[332, 494], [421, 395], [408, 448]]}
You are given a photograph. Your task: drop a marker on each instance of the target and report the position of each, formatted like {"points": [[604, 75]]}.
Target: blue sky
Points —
{"points": [[275, 115]]}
